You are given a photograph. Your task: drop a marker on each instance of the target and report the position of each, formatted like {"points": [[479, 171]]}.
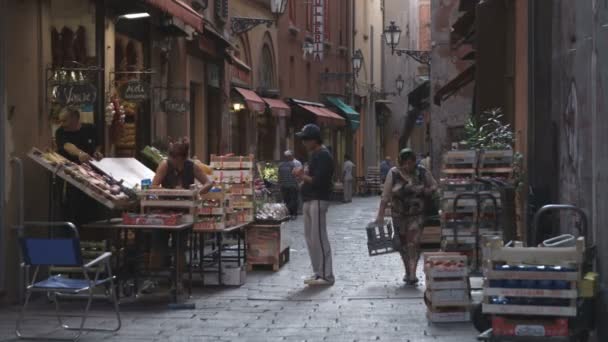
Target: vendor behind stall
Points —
{"points": [[76, 141], [178, 171]]}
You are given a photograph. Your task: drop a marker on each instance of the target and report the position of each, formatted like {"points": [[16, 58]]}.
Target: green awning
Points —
{"points": [[347, 110]]}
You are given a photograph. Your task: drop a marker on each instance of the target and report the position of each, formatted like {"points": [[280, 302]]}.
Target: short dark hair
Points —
{"points": [[346, 156]]}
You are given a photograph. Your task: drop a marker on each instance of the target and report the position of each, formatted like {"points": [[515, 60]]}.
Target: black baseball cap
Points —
{"points": [[310, 132]]}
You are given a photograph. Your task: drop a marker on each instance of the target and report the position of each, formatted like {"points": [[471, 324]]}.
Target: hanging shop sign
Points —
{"points": [[134, 90], [74, 93], [175, 106], [318, 22]]}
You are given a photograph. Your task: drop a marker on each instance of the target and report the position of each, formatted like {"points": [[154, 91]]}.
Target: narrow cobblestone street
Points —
{"points": [[367, 303]]}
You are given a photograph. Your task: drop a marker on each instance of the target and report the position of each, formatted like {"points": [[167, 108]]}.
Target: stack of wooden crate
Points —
{"points": [[235, 176], [212, 213], [447, 294], [532, 287], [458, 172], [373, 180]]}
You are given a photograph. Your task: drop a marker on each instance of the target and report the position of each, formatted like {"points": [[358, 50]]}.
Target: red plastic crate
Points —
{"points": [[502, 326]]}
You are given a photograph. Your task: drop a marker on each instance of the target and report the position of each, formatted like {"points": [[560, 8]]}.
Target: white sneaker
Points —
{"points": [[310, 279], [320, 282]]}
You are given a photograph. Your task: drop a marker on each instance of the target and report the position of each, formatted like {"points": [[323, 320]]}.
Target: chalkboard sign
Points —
{"points": [[175, 106], [74, 93], [134, 91]]}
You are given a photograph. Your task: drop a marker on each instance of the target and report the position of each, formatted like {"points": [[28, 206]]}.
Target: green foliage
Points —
{"points": [[488, 132]]}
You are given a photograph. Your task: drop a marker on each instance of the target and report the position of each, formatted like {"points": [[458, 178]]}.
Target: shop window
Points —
{"points": [[292, 72], [267, 69], [326, 15], [292, 11]]}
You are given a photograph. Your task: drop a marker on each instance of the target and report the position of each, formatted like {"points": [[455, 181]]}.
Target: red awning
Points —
{"points": [[254, 102], [325, 116], [180, 10], [278, 107]]}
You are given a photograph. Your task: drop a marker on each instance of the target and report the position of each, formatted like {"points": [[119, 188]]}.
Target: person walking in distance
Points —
{"points": [[347, 177], [288, 183], [385, 167], [406, 188], [316, 190]]}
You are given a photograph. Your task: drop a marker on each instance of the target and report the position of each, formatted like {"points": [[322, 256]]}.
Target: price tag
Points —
{"points": [[530, 330]]}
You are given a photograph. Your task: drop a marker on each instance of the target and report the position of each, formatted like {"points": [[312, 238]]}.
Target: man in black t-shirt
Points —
{"points": [[76, 141], [316, 189]]}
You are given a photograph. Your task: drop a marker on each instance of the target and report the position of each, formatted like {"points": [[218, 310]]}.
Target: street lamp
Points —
{"points": [[400, 83], [357, 61], [392, 35], [241, 25], [277, 7]]}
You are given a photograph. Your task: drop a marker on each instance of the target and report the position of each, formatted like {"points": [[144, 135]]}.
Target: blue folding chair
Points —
{"points": [[66, 252]]}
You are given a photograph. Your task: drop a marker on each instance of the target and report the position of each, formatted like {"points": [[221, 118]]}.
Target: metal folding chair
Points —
{"points": [[66, 252]]}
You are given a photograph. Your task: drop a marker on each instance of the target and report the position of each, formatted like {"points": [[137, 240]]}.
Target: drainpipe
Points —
{"points": [[3, 225]]}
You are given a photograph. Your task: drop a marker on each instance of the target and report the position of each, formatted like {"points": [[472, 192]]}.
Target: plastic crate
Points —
{"points": [[380, 239]]}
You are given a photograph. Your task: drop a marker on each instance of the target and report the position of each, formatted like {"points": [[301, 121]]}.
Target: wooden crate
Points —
{"points": [[448, 316], [234, 162], [527, 285], [267, 245], [496, 159], [460, 159]]}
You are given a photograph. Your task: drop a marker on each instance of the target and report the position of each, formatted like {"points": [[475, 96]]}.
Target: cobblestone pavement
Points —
{"points": [[367, 303]]}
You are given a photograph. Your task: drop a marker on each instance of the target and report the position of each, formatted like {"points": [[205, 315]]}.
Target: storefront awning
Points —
{"points": [[253, 101], [180, 10], [419, 97], [324, 115], [454, 85], [278, 107], [347, 110]]}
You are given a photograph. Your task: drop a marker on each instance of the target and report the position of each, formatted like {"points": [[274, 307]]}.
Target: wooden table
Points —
{"points": [[178, 233]]}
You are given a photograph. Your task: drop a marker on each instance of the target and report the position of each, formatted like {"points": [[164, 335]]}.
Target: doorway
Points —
{"points": [[197, 122]]}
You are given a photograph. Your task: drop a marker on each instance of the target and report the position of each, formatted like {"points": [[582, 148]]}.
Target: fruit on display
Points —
{"points": [[271, 173], [154, 154], [101, 184]]}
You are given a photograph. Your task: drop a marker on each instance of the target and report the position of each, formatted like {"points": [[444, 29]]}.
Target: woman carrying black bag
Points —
{"points": [[407, 188]]}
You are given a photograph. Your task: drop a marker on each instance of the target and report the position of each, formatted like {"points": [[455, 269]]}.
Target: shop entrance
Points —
{"points": [[214, 121]]}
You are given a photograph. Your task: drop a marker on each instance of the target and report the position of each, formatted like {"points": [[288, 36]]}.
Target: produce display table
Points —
{"points": [[267, 244], [179, 234]]}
